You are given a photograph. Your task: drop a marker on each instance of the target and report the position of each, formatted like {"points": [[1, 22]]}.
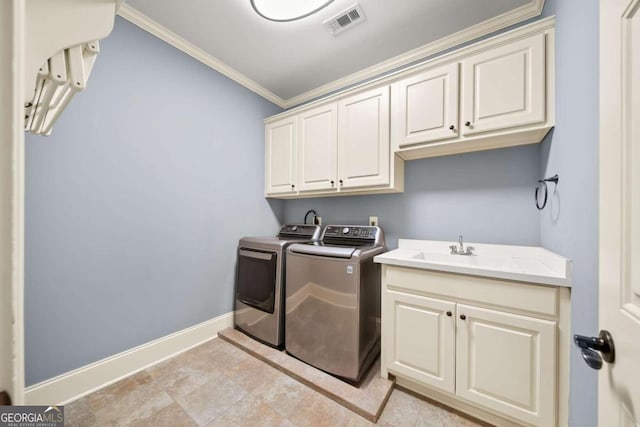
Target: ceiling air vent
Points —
{"points": [[345, 20]]}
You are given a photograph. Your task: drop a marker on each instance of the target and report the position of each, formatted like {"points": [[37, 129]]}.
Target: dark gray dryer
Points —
{"points": [[259, 295]]}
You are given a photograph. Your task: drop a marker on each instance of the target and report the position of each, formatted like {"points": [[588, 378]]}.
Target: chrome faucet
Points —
{"points": [[460, 250]]}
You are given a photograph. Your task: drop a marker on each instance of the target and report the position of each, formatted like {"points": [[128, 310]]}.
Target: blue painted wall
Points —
{"points": [[136, 202], [485, 196], [569, 225]]}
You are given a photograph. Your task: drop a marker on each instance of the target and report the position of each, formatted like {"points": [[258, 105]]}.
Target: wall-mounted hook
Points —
{"points": [[542, 183]]}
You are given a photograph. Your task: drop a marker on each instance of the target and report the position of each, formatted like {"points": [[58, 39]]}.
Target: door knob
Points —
{"points": [[596, 349]]}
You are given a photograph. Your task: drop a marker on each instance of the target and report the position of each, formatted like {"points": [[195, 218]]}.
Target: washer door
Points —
{"points": [[257, 278]]}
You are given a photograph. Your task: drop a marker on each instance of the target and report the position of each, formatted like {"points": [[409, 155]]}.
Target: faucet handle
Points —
{"points": [[470, 250], [454, 249]]}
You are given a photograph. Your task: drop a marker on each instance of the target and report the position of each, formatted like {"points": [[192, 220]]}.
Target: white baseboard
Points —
{"points": [[87, 379]]}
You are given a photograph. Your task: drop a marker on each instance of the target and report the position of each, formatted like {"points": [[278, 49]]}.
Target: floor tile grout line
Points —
{"points": [[421, 409], [172, 397], [338, 399]]}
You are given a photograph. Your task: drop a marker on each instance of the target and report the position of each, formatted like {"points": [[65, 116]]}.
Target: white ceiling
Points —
{"points": [[295, 61]]}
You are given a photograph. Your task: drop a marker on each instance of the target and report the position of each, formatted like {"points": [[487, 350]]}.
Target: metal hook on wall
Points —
{"points": [[542, 183]]}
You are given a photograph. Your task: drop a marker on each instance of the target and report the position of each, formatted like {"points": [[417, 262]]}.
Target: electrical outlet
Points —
{"points": [[373, 220], [318, 220]]}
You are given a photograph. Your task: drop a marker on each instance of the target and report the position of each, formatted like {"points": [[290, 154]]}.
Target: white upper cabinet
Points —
{"points": [[281, 141], [504, 87], [495, 93], [363, 139], [318, 148], [425, 107], [333, 148]]}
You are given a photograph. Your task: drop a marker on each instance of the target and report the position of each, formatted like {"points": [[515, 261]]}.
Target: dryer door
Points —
{"points": [[257, 278]]}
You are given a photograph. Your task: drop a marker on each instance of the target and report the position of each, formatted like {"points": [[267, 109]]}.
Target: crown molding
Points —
{"points": [[545, 25], [143, 21], [484, 28]]}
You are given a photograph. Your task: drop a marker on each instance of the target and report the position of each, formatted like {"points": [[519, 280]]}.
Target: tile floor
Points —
{"points": [[217, 384], [368, 399]]}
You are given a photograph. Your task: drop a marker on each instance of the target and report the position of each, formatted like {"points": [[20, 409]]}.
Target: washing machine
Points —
{"points": [[333, 300]]}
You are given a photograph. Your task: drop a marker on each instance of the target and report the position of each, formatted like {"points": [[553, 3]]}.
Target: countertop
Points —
{"points": [[531, 264]]}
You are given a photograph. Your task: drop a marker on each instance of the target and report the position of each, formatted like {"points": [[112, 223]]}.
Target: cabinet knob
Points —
{"points": [[332, 182], [467, 124], [293, 186], [449, 313], [341, 182], [463, 317], [452, 127]]}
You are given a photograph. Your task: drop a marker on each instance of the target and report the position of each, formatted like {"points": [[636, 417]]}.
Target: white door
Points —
{"points": [[281, 156], [363, 139], [425, 107], [318, 148], [507, 362], [504, 87], [619, 299], [423, 333]]}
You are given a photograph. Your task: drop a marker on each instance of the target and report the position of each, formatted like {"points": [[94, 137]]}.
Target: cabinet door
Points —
{"points": [[280, 165], [425, 107], [504, 87], [318, 148], [363, 139], [507, 363], [421, 342]]}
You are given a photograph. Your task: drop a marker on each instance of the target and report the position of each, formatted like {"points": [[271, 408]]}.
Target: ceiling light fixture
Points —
{"points": [[288, 10]]}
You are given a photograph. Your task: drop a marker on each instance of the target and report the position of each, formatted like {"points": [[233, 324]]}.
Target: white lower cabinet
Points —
{"points": [[483, 352], [424, 338], [507, 362]]}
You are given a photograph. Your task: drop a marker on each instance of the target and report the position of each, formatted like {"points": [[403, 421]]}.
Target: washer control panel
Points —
{"points": [[351, 231]]}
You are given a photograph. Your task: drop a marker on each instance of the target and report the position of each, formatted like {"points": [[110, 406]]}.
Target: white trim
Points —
{"points": [[12, 193], [87, 379], [19, 17], [545, 25], [141, 20], [489, 26]]}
